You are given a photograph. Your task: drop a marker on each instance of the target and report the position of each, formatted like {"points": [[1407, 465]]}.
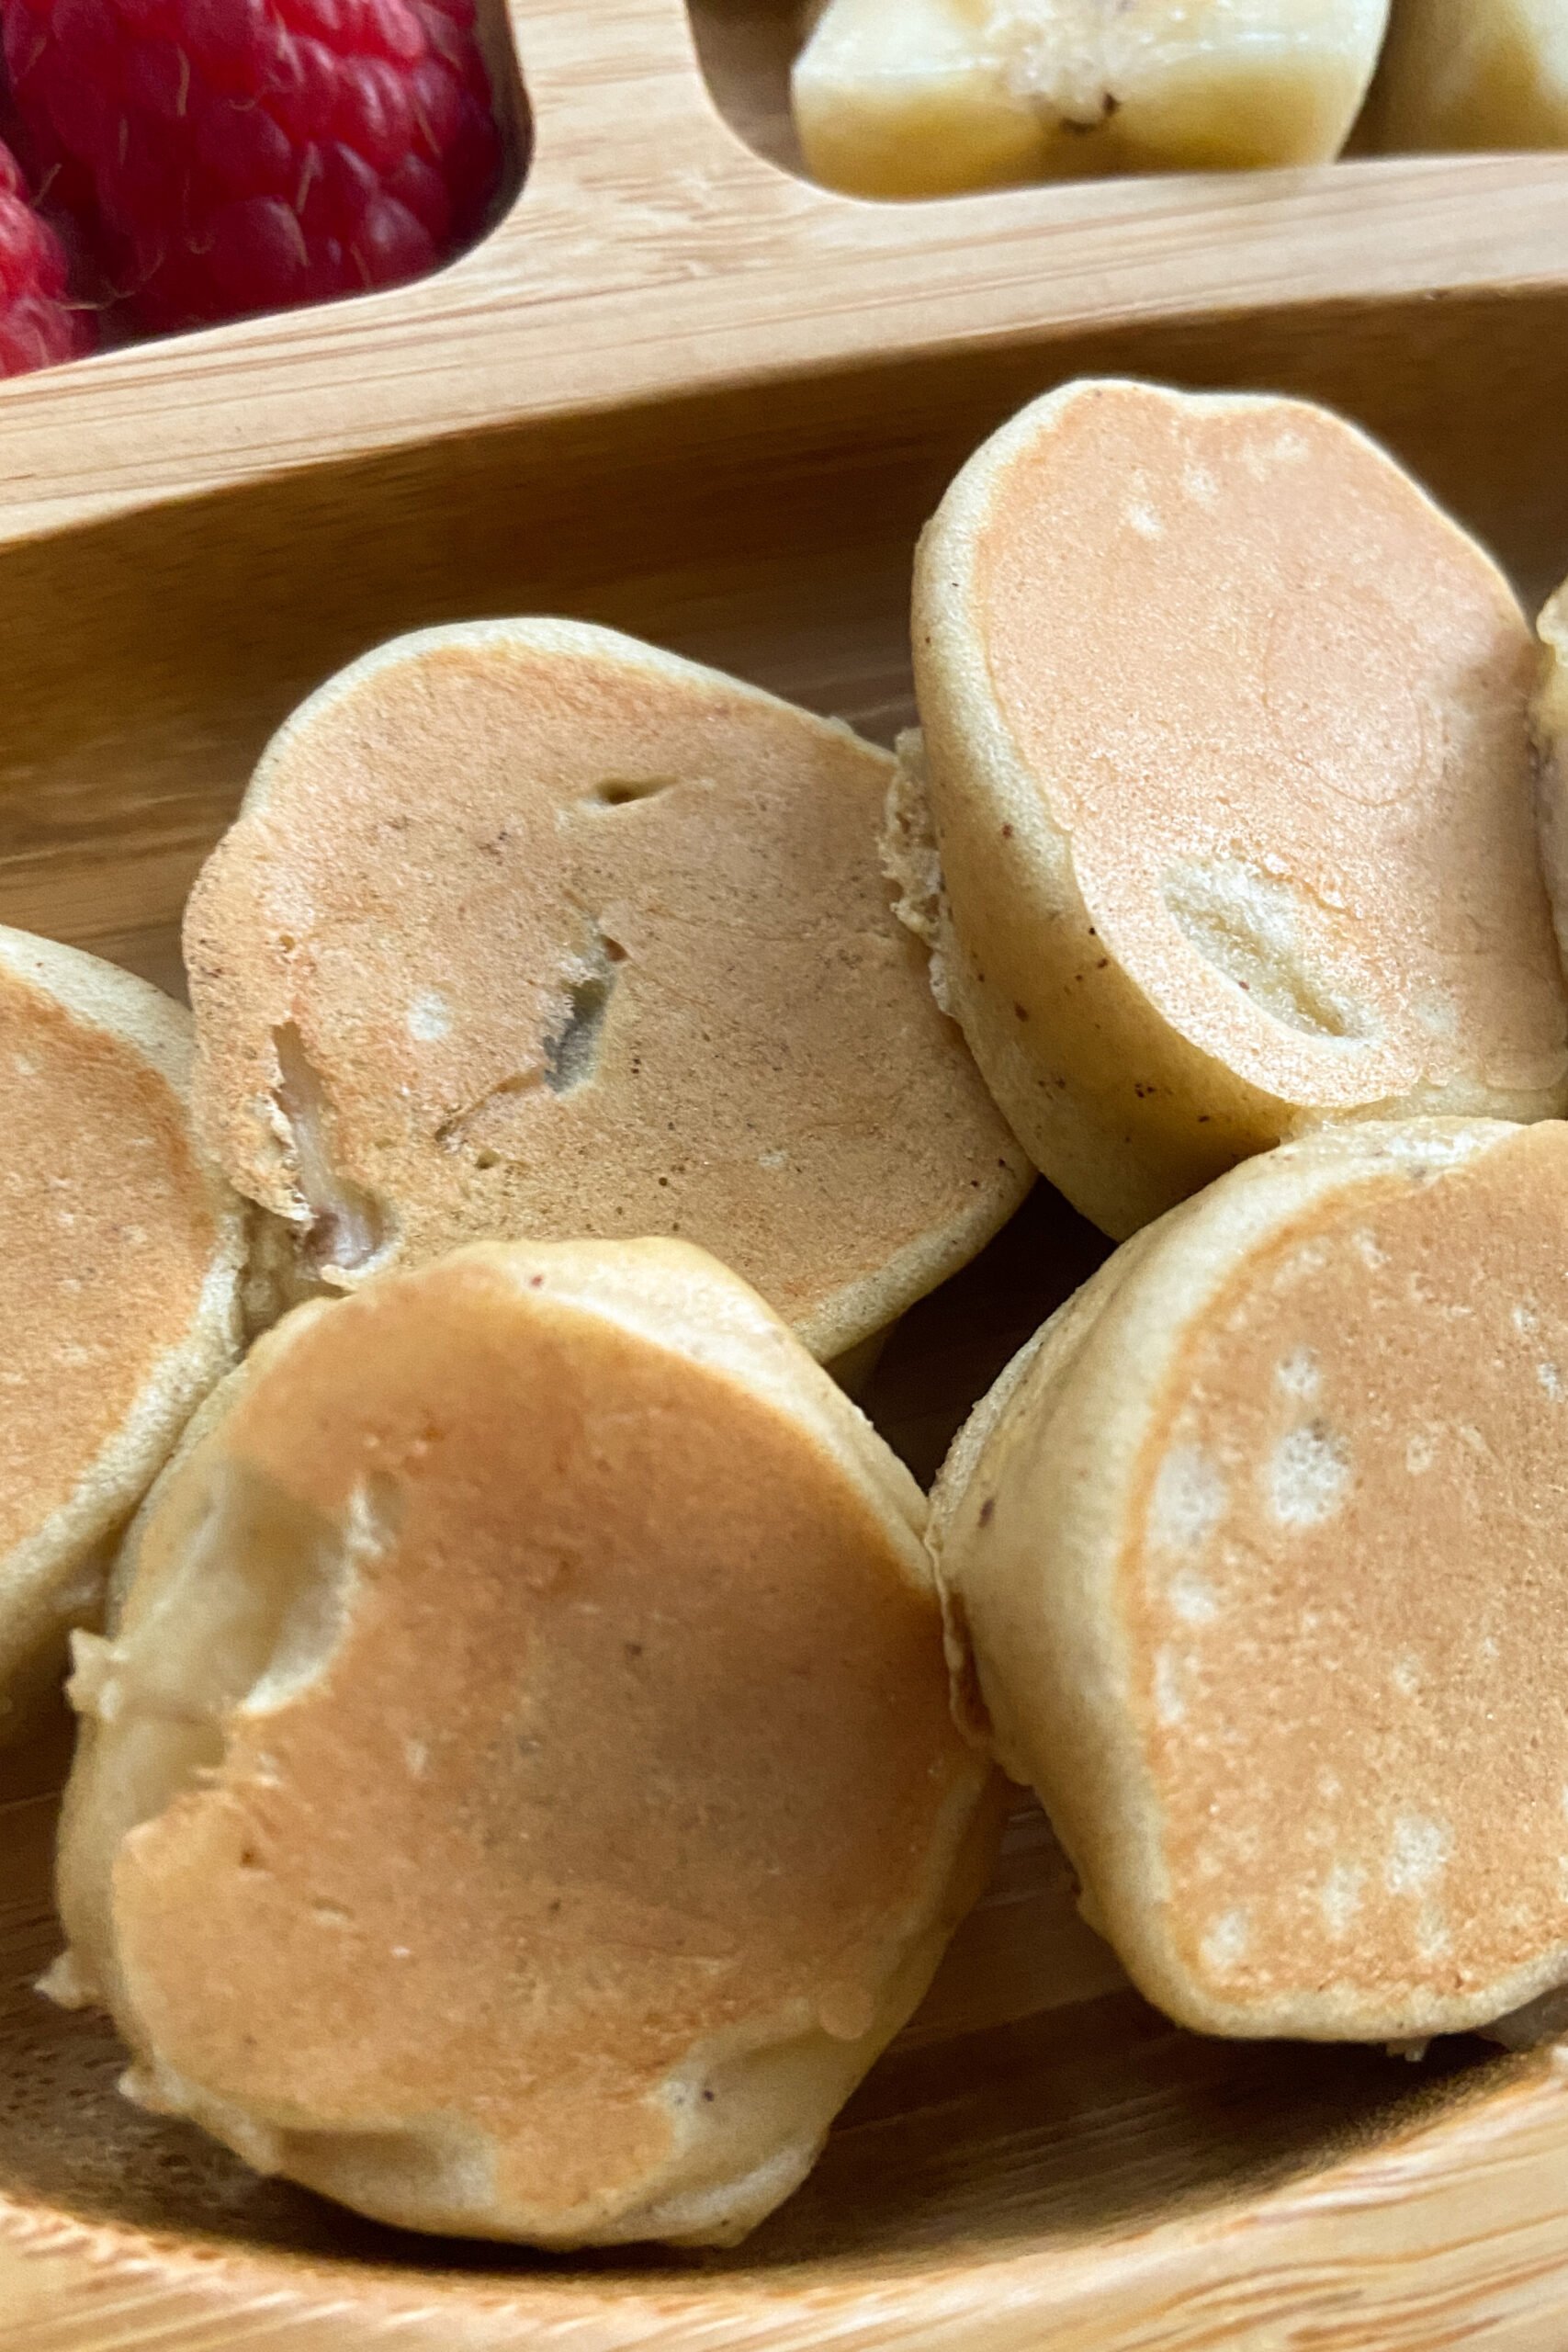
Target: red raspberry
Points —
{"points": [[38, 325], [244, 155]]}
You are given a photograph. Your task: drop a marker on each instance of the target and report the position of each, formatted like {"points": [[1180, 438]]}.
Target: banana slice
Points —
{"points": [[929, 97], [1473, 74]]}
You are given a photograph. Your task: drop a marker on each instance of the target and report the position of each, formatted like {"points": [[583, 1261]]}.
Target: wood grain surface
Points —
{"points": [[682, 393], [653, 251]]}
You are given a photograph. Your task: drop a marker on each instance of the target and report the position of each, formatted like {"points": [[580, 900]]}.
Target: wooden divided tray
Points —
{"points": [[681, 390]]}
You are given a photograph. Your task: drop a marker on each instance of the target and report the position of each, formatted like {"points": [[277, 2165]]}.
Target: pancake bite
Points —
{"points": [[1258, 1549], [519, 1793], [526, 930], [1225, 785], [121, 1257]]}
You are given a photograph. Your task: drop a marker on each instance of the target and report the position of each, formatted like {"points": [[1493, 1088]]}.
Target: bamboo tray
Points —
{"points": [[683, 392]]}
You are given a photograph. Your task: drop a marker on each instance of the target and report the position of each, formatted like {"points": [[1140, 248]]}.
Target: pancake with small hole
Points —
{"points": [[528, 929]]}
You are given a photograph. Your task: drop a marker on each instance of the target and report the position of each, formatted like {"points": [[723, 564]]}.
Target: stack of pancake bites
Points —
{"points": [[535, 1738]]}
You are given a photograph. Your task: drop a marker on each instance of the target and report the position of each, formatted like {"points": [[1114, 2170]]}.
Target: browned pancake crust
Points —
{"points": [[635, 1752], [1264, 1573], [1359, 1734], [106, 1238], [579, 939], [1226, 745]]}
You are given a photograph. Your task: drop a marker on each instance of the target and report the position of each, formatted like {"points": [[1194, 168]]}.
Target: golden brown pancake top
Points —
{"points": [[576, 946], [1231, 640], [1346, 1583], [637, 1729], [107, 1236]]}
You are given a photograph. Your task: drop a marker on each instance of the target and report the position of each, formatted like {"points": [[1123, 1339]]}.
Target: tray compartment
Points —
{"points": [[1040, 2151]]}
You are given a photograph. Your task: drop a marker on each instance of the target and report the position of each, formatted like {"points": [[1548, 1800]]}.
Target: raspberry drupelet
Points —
{"points": [[38, 325]]}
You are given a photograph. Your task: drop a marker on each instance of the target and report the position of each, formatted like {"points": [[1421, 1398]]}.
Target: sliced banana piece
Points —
{"points": [[1473, 74], [929, 97]]}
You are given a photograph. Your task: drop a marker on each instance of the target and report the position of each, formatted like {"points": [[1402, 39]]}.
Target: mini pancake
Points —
{"points": [[1260, 1553], [122, 1253], [1226, 767], [527, 929], [521, 1795]]}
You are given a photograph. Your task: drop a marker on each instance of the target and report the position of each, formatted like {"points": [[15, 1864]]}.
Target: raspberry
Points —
{"points": [[230, 156], [38, 325]]}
